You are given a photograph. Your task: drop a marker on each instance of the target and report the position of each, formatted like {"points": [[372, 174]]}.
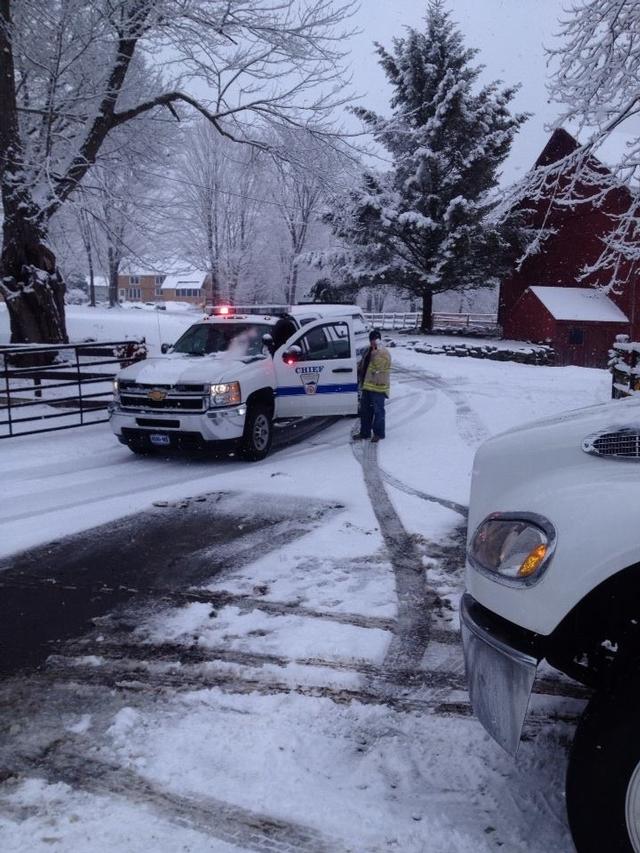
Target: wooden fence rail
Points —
{"points": [[441, 320]]}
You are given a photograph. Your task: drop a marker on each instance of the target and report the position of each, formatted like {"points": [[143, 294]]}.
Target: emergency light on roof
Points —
{"points": [[219, 310]]}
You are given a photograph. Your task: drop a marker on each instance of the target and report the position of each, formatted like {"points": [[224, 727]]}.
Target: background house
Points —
{"points": [[190, 287], [140, 287], [581, 331]]}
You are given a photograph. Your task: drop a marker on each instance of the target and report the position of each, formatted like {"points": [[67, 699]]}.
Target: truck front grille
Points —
{"points": [[169, 404], [620, 444], [178, 398]]}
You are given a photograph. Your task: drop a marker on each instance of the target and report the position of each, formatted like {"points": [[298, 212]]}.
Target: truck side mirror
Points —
{"points": [[164, 348], [292, 355]]}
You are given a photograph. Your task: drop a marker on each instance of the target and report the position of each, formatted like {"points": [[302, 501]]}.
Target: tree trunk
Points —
{"points": [[427, 311], [293, 283], [92, 285], [379, 297], [31, 284], [215, 288], [92, 281], [113, 266]]}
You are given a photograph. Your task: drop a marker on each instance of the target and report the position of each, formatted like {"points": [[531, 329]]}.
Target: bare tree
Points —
{"points": [[65, 88], [242, 220], [311, 171], [301, 196], [218, 197], [596, 84]]}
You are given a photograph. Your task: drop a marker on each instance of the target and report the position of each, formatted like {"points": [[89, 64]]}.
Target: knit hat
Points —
{"points": [[375, 334]]}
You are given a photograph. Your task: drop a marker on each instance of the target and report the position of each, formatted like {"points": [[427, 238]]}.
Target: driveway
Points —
{"points": [[269, 661]]}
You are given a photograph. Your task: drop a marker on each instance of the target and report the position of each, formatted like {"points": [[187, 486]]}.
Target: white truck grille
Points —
{"points": [[164, 398], [621, 443]]}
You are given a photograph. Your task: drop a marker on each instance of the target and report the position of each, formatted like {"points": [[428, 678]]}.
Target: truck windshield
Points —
{"points": [[237, 339]]}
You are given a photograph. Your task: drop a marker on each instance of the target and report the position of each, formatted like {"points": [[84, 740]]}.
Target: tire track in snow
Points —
{"points": [[229, 823], [216, 598], [144, 678], [409, 642], [471, 428], [119, 481], [121, 658], [409, 490]]}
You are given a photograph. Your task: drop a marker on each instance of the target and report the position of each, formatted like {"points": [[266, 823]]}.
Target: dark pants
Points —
{"points": [[372, 413]]}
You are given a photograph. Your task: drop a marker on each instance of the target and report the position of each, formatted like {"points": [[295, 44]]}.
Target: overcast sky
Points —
{"points": [[510, 35]]}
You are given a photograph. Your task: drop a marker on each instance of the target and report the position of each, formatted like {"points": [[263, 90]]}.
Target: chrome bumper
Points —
{"points": [[500, 676]]}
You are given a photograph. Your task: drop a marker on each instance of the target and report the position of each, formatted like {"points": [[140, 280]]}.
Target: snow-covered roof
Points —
{"points": [[184, 281], [579, 303]]}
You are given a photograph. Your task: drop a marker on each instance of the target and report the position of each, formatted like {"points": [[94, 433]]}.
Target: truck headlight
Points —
{"points": [[513, 547], [225, 395]]}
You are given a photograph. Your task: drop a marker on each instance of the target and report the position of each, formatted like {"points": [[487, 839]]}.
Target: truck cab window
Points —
{"points": [[326, 342]]}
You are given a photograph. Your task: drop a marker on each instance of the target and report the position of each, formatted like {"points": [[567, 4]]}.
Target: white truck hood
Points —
{"points": [[176, 368], [542, 468]]}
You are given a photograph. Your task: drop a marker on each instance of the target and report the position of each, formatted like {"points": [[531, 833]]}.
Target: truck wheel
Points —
{"points": [[258, 433], [603, 777]]}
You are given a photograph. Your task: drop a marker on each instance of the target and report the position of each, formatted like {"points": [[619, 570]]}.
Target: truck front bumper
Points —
{"points": [[214, 425], [501, 662]]}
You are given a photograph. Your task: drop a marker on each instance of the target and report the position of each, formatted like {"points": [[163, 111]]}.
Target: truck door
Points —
{"points": [[316, 371]]}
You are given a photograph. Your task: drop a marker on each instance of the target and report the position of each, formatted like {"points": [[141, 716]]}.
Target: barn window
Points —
{"points": [[576, 336]]}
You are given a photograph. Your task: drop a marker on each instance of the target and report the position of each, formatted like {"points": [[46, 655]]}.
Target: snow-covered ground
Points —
{"points": [[296, 726]]}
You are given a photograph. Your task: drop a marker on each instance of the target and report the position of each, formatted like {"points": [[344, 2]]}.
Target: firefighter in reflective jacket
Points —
{"points": [[373, 376]]}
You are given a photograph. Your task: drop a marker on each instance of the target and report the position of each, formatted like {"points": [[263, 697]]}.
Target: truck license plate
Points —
{"points": [[162, 440]]}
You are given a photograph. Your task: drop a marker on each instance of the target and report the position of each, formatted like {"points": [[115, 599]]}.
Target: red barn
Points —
{"points": [[579, 322], [581, 331]]}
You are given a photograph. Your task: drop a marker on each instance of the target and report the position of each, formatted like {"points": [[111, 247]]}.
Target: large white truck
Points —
{"points": [[553, 572], [225, 381]]}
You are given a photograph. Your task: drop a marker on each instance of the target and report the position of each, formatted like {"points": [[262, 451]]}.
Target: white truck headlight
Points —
{"points": [[513, 547], [227, 394]]}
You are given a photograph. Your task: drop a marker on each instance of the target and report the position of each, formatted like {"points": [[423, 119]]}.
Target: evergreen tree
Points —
{"points": [[425, 224]]}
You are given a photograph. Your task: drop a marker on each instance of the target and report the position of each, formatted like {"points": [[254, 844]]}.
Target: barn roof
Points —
{"points": [[560, 144], [579, 303]]}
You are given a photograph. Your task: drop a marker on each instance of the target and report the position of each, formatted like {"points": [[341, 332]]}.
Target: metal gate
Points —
{"points": [[49, 387]]}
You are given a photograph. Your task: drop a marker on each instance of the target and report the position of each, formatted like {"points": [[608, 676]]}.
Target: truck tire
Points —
{"points": [[258, 433], [603, 777]]}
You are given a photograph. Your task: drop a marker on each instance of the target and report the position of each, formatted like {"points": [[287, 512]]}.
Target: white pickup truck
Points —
{"points": [[553, 572], [225, 380]]}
